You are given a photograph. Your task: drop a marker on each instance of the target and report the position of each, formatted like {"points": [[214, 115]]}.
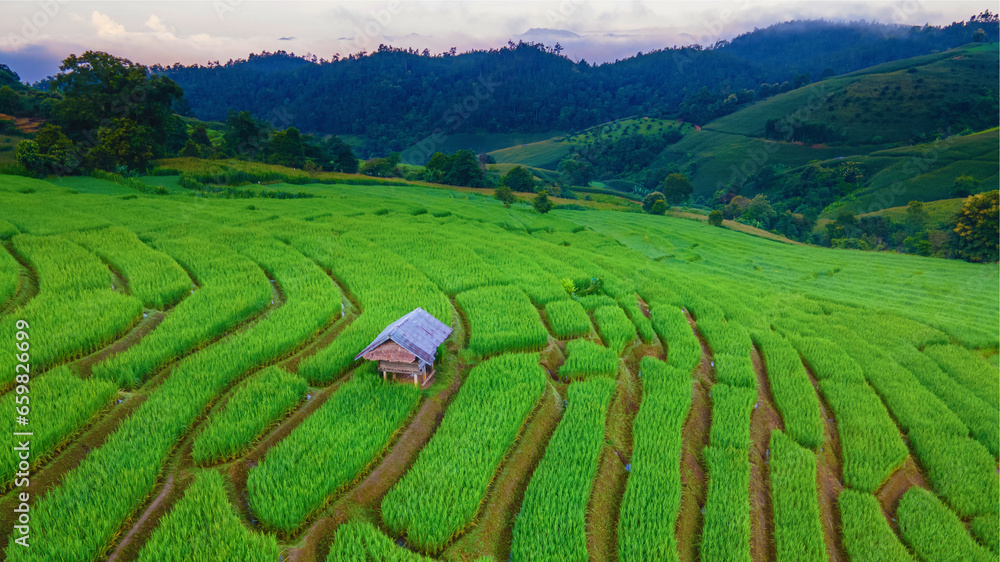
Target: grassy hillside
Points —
{"points": [[888, 103], [546, 153], [924, 172], [870, 114], [938, 212]]}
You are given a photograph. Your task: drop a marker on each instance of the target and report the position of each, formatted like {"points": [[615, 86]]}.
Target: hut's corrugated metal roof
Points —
{"points": [[418, 332]]}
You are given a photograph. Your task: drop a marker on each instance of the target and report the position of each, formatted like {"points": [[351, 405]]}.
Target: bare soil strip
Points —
{"points": [[829, 477], [906, 477], [609, 483], [128, 548], [763, 421], [694, 484]]}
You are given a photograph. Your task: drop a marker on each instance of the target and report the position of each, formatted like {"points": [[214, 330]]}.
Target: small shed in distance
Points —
{"points": [[408, 346]]}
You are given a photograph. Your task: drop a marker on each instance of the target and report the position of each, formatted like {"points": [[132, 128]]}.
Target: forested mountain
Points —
{"points": [[394, 98]]}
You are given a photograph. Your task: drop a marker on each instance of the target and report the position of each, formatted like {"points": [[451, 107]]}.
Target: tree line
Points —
{"points": [[393, 98]]}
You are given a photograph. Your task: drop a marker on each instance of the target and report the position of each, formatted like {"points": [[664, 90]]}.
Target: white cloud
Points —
{"points": [[105, 26], [157, 25]]}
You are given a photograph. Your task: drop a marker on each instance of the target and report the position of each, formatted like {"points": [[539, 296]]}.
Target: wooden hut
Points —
{"points": [[408, 346]]}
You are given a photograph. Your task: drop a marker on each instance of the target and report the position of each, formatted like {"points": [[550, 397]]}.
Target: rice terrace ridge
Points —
{"points": [[530, 282]]}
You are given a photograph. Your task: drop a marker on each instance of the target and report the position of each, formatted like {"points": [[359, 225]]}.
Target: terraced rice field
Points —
{"points": [[193, 392]]}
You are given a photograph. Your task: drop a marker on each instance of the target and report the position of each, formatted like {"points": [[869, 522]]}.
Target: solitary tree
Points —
{"points": [[9, 100], [286, 149], [519, 179], [965, 185], [29, 158], [677, 189], [505, 195], [124, 143], [715, 218], [542, 203], [576, 171], [649, 200], [976, 228], [759, 211], [245, 134], [200, 136], [98, 88], [191, 149], [916, 218]]}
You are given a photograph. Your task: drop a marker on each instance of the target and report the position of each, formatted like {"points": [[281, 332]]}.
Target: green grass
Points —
{"points": [[501, 319], [10, 272], [845, 312], [358, 540], [653, 490], [204, 526], [568, 319], [934, 532], [615, 328], [961, 470], [867, 536], [793, 392], [987, 529], [731, 409], [870, 442], [552, 521], [61, 404], [77, 520], [152, 276], [328, 450], [683, 348], [587, 359], [232, 287], [798, 534], [726, 534], [257, 403], [442, 492]]}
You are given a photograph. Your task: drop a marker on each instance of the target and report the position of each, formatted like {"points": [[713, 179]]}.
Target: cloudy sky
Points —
{"points": [[35, 36]]}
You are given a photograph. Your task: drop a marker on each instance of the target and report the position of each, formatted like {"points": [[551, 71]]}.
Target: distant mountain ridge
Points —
{"points": [[393, 99]]}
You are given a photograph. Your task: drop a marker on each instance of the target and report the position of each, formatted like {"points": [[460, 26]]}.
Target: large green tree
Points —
{"points": [[542, 203], [99, 89], [10, 102], [460, 168], [576, 171], [245, 134], [677, 189], [519, 179], [123, 144], [976, 228], [650, 200], [286, 149]]}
